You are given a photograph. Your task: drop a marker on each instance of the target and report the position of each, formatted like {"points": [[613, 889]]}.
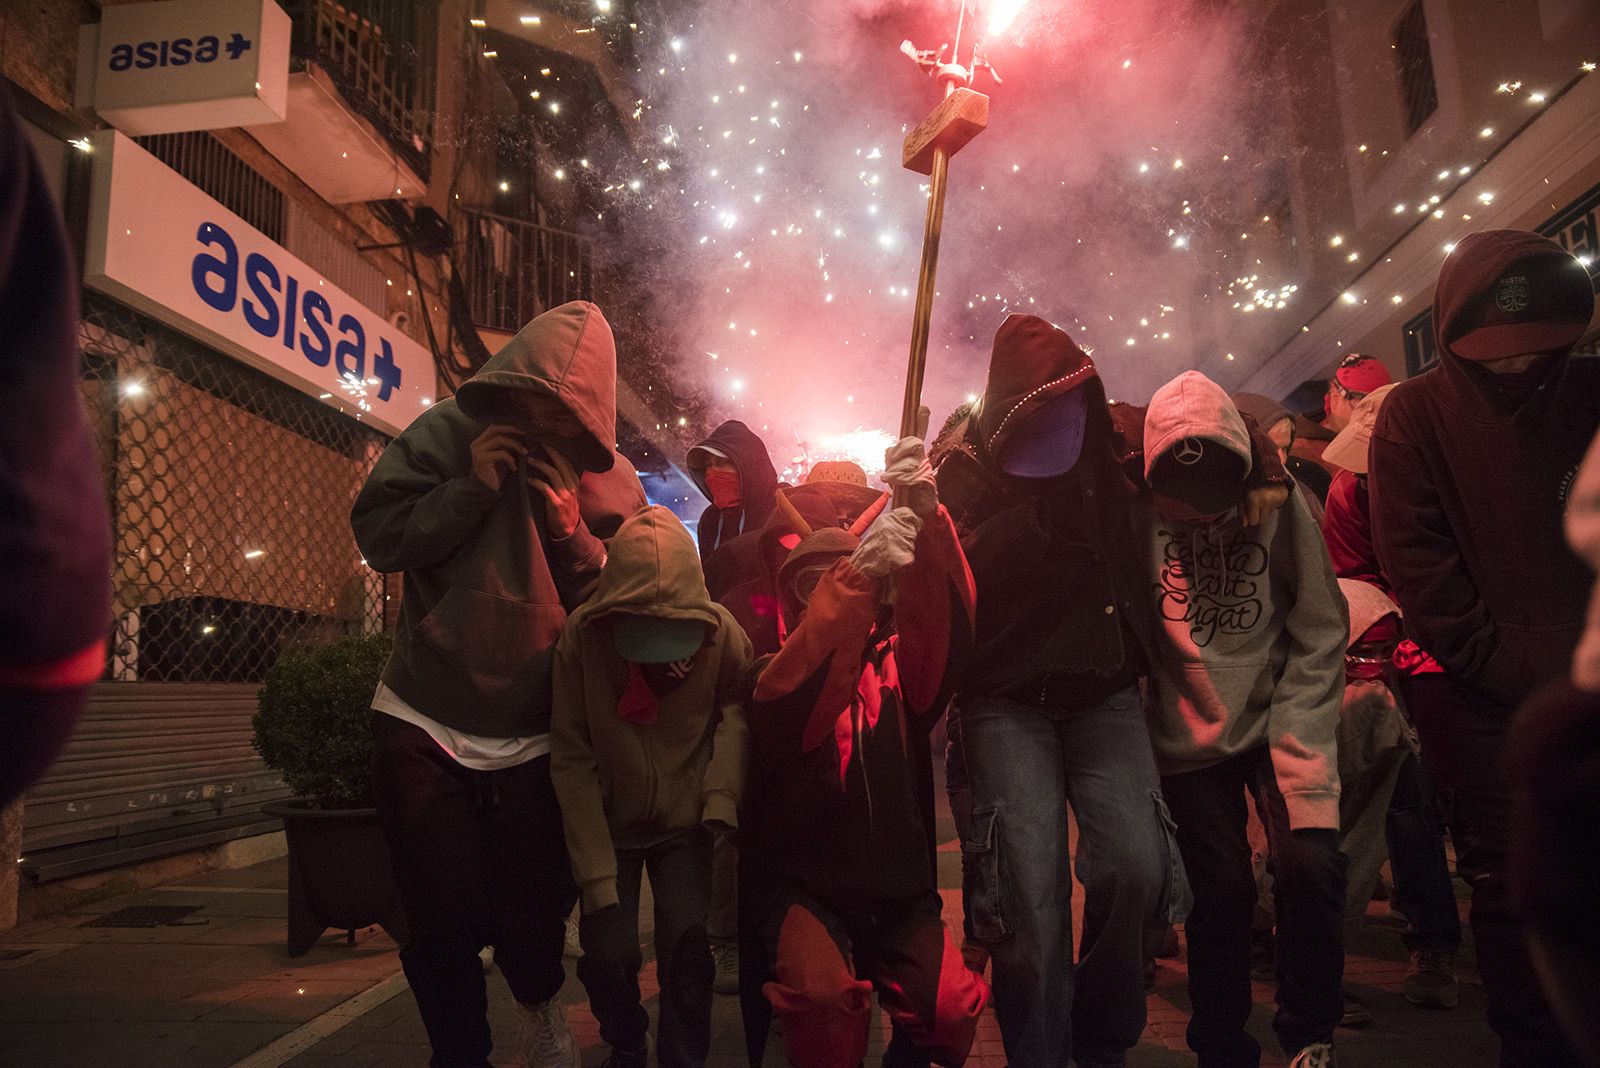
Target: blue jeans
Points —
{"points": [[1027, 764]]}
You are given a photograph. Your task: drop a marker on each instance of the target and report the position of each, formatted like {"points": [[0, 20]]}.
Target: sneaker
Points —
{"points": [[726, 957], [1316, 1055], [572, 947], [1431, 979], [1355, 1015], [619, 1059], [545, 1040]]}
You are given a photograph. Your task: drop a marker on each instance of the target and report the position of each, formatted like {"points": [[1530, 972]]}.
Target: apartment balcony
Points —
{"points": [[361, 98], [513, 269]]}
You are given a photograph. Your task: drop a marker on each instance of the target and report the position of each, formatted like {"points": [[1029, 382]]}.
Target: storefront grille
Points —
{"points": [[230, 495]]}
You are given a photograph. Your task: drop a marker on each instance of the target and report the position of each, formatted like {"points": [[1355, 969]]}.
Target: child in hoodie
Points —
{"points": [[838, 824], [1247, 680], [647, 751]]}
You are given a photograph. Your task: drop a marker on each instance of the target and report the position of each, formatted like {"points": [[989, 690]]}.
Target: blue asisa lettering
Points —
{"points": [[224, 270], [385, 370], [176, 52], [259, 273], [350, 358], [293, 313], [314, 339]]}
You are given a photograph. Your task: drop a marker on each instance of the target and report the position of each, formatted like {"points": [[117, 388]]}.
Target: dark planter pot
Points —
{"points": [[339, 874]]}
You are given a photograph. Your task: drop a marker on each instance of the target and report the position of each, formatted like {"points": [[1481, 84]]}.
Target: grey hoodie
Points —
{"points": [[1251, 626], [487, 588]]}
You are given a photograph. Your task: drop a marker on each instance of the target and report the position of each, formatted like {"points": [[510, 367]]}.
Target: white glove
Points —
{"points": [[888, 544], [905, 467]]}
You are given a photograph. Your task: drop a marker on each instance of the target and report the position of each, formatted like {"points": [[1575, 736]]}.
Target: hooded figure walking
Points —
{"points": [[1472, 467], [1041, 484], [493, 504], [1246, 685], [733, 470]]}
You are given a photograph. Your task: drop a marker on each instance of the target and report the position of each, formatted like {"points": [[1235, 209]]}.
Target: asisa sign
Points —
{"points": [[186, 65], [160, 244]]}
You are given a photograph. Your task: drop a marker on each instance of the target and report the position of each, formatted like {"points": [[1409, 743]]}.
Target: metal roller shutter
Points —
{"points": [[154, 768]]}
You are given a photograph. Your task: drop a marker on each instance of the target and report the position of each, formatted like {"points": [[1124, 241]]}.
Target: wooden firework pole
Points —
{"points": [[960, 116]]}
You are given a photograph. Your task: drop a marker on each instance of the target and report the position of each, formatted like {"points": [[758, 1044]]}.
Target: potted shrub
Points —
{"points": [[312, 726]]}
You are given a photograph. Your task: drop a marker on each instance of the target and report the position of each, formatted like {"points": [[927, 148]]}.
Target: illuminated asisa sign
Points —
{"points": [[181, 65], [160, 244], [273, 295]]}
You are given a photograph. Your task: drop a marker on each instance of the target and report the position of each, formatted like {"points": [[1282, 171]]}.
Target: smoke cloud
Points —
{"points": [[1105, 196]]}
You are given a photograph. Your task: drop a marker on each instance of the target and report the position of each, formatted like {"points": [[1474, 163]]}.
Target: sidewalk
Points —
{"points": [[214, 988]]}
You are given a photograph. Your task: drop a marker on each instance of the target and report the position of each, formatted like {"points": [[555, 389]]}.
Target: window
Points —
{"points": [[1419, 96]]}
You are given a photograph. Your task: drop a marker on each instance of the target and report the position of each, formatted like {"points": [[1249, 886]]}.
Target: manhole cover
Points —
{"points": [[145, 916]]}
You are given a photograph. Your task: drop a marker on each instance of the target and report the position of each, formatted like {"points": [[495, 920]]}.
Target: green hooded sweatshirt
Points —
{"points": [[487, 587], [630, 783]]}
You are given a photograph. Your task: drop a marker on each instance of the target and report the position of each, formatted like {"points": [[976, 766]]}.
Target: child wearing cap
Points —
{"points": [[1246, 682], [648, 750], [838, 825]]}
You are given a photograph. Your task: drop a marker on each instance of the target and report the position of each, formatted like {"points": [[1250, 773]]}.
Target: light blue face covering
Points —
{"points": [[1047, 443], [655, 640]]}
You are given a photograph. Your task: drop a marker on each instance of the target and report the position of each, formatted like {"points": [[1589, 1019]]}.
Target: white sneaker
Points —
{"points": [[1316, 1055], [573, 947], [545, 1041]]}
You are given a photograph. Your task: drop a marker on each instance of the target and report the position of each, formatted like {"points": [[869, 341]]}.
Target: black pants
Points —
{"points": [[680, 879], [480, 860], [1463, 751], [1308, 886], [1422, 888]]}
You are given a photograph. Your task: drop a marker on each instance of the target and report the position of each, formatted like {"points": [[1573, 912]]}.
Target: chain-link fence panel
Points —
{"points": [[230, 496]]}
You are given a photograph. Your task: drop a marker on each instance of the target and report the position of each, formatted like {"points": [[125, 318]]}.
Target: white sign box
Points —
{"points": [[159, 244], [186, 65]]}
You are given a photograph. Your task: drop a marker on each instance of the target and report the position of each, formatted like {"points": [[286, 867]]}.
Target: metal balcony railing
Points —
{"points": [[513, 270], [383, 55]]}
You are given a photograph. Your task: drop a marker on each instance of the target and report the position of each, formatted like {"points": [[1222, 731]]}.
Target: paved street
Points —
{"points": [[216, 989]]}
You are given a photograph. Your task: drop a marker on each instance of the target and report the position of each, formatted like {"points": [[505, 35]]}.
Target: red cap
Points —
{"points": [[1362, 374]]}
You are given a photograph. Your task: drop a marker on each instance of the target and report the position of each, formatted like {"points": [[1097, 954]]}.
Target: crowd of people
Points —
{"points": [[1252, 654]]}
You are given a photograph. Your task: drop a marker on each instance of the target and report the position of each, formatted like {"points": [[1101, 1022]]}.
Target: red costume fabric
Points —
{"points": [[837, 820]]}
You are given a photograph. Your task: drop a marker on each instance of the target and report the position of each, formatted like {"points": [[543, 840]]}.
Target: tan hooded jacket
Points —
{"points": [[629, 784]]}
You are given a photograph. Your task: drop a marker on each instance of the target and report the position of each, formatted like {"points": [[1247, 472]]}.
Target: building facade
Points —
{"points": [[265, 306], [1407, 124]]}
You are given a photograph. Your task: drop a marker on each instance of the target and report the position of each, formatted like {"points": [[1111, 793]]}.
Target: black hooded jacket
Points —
{"points": [[1061, 616], [758, 480], [1469, 485], [1058, 581]]}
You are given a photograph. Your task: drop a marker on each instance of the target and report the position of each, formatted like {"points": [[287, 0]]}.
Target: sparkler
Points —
{"points": [[961, 116]]}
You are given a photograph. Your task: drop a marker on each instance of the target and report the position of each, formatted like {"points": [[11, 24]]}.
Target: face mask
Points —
{"points": [[724, 487]]}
